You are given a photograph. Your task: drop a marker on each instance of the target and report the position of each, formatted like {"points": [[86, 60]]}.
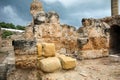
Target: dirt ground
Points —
{"points": [[96, 69]]}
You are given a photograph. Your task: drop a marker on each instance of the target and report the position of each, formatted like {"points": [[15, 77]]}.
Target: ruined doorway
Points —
{"points": [[115, 39]]}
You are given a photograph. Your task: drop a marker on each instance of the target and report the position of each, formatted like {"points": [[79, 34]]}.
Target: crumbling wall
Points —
{"points": [[94, 39], [43, 41], [114, 20], [46, 27], [114, 23]]}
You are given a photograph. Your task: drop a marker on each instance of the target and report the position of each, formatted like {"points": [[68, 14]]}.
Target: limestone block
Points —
{"points": [[50, 64], [39, 49], [49, 49], [67, 62], [26, 61]]}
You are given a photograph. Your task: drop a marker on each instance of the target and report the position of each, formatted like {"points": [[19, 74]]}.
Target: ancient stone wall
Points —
{"points": [[114, 23], [114, 20], [94, 39], [46, 27]]}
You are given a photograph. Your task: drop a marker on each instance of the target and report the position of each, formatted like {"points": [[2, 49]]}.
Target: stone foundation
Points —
{"points": [[41, 56]]}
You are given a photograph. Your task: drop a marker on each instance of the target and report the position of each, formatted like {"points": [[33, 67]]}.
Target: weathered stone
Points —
{"points": [[50, 64], [49, 49], [3, 71], [99, 43], [87, 46], [86, 22], [82, 41], [53, 17], [105, 52], [35, 7], [89, 54], [39, 18], [24, 47], [29, 32], [67, 62], [39, 49], [26, 61]]}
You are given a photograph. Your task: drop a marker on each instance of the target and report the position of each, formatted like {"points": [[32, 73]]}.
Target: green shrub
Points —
{"points": [[5, 34]]}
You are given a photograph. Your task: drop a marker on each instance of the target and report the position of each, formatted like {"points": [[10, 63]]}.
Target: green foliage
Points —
{"points": [[11, 26], [20, 27], [5, 34]]}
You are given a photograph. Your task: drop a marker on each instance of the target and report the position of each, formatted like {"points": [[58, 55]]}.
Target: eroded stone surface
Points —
{"points": [[24, 47], [50, 64], [67, 62]]}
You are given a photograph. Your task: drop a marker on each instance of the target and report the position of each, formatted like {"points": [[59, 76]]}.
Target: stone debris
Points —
{"points": [[50, 64], [67, 62]]}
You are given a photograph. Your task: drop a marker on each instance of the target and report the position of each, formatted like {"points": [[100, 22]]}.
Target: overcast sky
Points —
{"points": [[71, 11]]}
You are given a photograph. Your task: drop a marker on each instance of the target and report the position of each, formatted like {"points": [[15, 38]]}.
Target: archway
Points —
{"points": [[115, 39]]}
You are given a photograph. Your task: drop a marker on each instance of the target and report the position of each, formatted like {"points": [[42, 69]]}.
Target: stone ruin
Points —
{"points": [[43, 44], [89, 41], [49, 46], [114, 23]]}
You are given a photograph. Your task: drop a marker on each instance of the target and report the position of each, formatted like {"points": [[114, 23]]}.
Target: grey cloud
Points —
{"points": [[71, 15]]}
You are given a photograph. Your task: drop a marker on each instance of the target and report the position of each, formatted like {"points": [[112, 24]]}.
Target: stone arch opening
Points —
{"points": [[115, 39]]}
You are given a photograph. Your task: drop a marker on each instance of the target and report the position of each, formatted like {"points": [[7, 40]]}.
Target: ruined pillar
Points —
{"points": [[114, 7]]}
